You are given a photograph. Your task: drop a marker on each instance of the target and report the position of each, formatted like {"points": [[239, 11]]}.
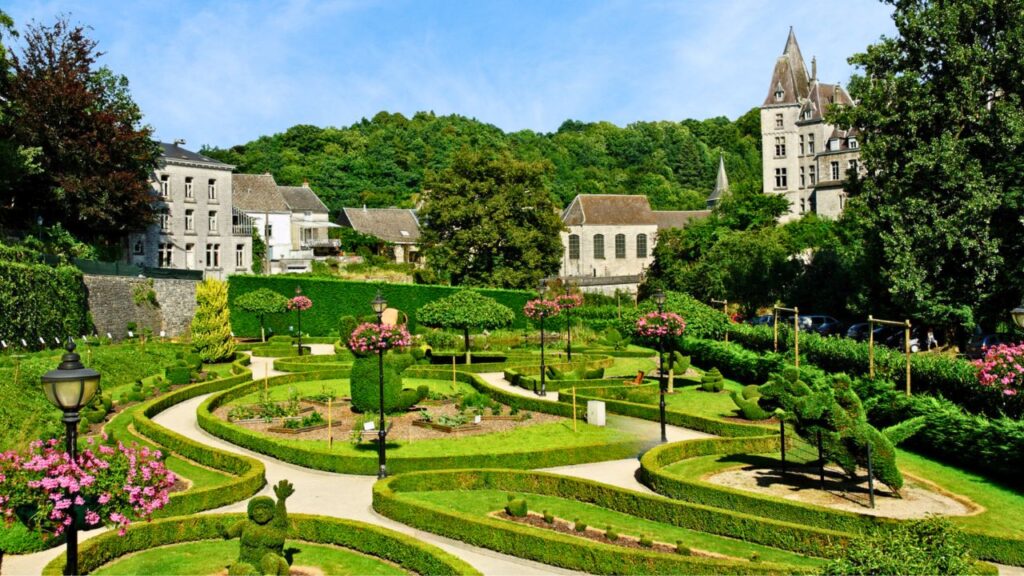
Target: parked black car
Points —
{"points": [[976, 347], [824, 325], [859, 332], [762, 320]]}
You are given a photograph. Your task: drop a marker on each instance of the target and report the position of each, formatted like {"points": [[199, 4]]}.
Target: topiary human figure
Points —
{"points": [[832, 409], [261, 549]]}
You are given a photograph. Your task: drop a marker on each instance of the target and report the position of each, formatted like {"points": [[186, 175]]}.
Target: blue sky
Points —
{"points": [[225, 72]]}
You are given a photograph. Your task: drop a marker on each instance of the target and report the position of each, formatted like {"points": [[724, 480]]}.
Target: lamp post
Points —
{"points": [[1018, 316], [298, 316], [70, 387], [379, 304], [568, 329], [659, 299]]}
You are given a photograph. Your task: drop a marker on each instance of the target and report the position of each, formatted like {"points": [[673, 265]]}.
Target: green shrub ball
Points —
{"points": [[365, 383]]}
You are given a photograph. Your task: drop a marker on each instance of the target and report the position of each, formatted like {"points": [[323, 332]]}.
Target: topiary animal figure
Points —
{"points": [[261, 546], [712, 381], [832, 409], [613, 339]]}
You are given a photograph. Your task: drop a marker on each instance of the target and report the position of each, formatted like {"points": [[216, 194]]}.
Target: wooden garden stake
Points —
{"points": [[330, 431], [453, 370], [574, 409]]}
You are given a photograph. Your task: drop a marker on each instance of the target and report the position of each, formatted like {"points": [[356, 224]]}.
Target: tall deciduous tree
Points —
{"points": [[942, 130], [489, 220], [465, 310], [16, 161], [94, 154]]}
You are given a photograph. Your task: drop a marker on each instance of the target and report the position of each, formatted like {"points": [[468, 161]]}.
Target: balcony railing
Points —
{"points": [[315, 243], [241, 229]]}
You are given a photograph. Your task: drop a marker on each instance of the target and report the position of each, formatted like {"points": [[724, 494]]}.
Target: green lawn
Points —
{"points": [[536, 437], [1004, 505], [340, 387], [690, 399], [482, 502], [212, 556], [628, 367]]}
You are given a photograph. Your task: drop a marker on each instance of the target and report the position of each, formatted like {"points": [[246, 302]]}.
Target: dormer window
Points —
{"points": [[853, 143], [779, 94]]}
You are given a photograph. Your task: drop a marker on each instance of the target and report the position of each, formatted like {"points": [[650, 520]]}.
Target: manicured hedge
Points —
{"points": [[39, 300], [406, 551], [575, 553], [321, 458], [953, 378], [333, 299], [732, 360], [652, 412], [340, 361], [984, 546]]}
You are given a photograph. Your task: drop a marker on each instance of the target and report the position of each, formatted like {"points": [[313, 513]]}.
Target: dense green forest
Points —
{"points": [[384, 161]]}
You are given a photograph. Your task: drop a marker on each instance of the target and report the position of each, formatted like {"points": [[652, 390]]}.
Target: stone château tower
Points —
{"points": [[805, 158]]}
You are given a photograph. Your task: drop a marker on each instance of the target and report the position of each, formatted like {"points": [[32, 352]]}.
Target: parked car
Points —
{"points": [[762, 320], [824, 325], [859, 332], [897, 339], [976, 347]]}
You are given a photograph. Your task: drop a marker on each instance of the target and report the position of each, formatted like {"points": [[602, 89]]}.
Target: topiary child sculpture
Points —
{"points": [[261, 547]]}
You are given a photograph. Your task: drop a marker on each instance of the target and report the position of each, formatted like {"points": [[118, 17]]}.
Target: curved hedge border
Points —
{"points": [[652, 473], [406, 551], [577, 554], [321, 458], [248, 472], [314, 363], [676, 418]]}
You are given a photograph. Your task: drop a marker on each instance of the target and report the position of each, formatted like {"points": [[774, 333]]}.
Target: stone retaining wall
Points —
{"points": [[112, 304]]}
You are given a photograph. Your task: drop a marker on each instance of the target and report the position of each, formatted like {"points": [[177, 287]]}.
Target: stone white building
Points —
{"points": [[609, 239], [195, 229], [805, 159], [291, 221]]}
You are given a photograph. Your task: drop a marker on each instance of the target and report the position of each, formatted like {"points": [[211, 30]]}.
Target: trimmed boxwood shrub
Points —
{"points": [[405, 551], [712, 381], [365, 384], [334, 298], [178, 374]]}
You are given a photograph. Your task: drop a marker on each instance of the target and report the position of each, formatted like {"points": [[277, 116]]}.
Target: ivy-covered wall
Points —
{"points": [[41, 301], [333, 299]]}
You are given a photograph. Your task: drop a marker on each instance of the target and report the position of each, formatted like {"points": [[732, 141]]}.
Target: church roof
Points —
{"points": [[721, 183], [256, 193], [608, 210], [790, 75], [678, 218]]}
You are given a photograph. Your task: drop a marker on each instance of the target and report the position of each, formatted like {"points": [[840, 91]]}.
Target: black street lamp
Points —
{"points": [[568, 329], [379, 305], [71, 387], [298, 315], [659, 299]]}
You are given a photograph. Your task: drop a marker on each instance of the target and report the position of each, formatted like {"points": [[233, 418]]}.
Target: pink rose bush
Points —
{"points": [[300, 303], [540, 308], [569, 301], [369, 337], [110, 485], [1002, 368], [658, 324]]}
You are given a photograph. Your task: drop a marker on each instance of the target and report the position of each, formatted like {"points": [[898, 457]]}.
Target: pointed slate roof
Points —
{"points": [[721, 184], [608, 210], [256, 193], [790, 75]]}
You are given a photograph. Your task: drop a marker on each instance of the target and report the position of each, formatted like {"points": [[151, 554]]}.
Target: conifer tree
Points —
{"points": [[211, 327]]}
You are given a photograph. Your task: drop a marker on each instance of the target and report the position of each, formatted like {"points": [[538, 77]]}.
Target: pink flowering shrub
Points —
{"points": [[1002, 368], [300, 303], [569, 301], [658, 324], [369, 337], [108, 485], [540, 308]]}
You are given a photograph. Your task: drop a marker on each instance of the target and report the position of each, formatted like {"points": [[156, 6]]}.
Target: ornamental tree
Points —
{"points": [[262, 303], [211, 326], [465, 310]]}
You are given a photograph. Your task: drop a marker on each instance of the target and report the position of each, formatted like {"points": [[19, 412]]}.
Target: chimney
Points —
{"points": [[305, 183], [364, 208], [814, 68]]}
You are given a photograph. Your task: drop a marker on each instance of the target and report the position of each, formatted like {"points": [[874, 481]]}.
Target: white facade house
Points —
{"points": [[805, 159], [197, 228]]}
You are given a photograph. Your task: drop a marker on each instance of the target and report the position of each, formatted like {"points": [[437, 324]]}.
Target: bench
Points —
{"points": [[636, 381], [372, 432]]}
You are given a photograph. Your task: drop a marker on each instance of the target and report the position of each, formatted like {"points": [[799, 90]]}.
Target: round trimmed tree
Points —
{"points": [[465, 310], [262, 303]]}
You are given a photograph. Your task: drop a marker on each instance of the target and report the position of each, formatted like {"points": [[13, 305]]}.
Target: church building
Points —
{"points": [[805, 158]]}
